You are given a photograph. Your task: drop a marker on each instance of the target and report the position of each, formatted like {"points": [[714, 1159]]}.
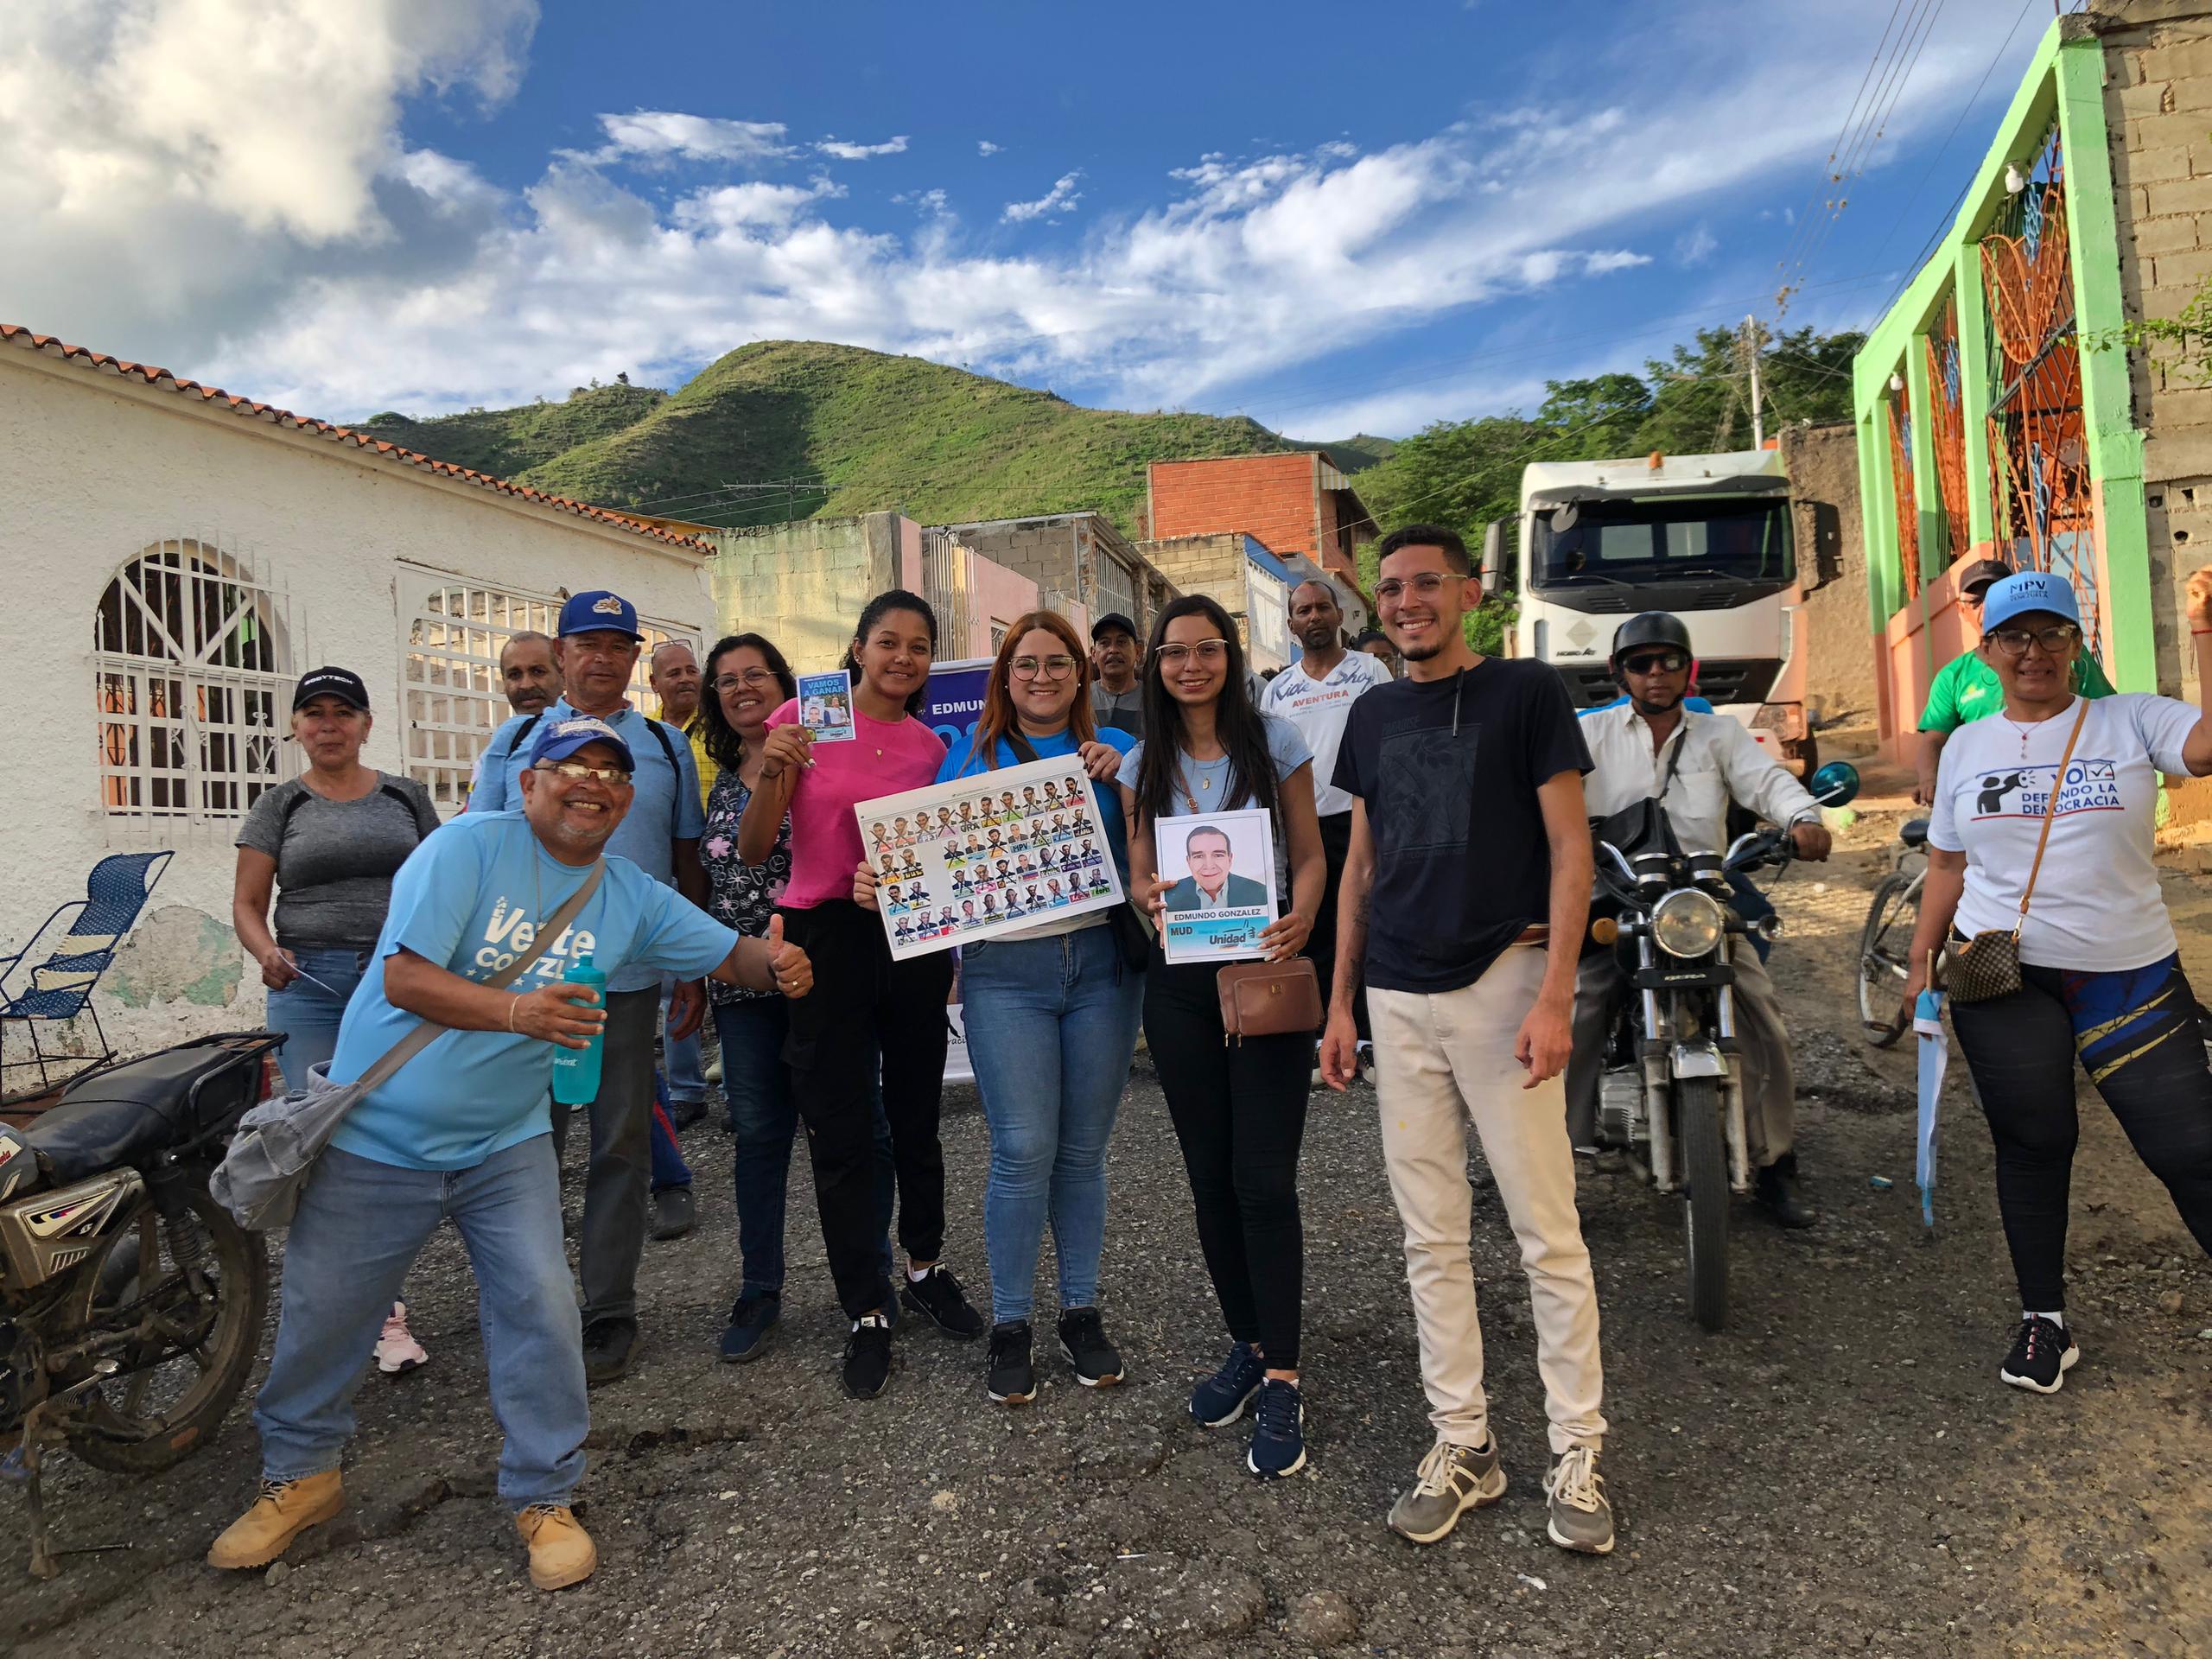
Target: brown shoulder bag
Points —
{"points": [[1988, 965]]}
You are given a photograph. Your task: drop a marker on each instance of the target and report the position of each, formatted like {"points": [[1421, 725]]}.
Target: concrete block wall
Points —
{"points": [[1213, 565], [1271, 497], [2158, 57], [802, 585]]}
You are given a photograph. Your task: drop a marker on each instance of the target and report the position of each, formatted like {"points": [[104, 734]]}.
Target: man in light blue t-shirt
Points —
{"points": [[461, 1131], [599, 644]]}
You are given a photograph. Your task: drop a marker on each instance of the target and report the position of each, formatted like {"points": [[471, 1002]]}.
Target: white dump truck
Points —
{"points": [[1706, 537]]}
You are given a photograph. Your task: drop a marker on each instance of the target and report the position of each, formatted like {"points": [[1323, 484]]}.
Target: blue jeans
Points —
{"points": [[687, 1074], [359, 1227], [1051, 1025], [669, 1167], [308, 1015], [764, 1119]]}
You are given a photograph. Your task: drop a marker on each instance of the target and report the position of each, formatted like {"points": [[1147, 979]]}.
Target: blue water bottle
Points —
{"points": [[575, 1070]]}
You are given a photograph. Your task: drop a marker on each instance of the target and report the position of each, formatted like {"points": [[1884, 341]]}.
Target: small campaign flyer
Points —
{"points": [[987, 855], [825, 706], [1223, 865]]}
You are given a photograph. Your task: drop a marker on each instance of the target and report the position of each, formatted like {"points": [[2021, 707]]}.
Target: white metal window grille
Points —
{"points": [[192, 661], [450, 691]]}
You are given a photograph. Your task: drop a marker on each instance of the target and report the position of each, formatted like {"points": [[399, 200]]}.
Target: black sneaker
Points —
{"points": [[1777, 1188], [1278, 1431], [868, 1357], [937, 1296], [1012, 1378], [1083, 1339], [676, 1212], [609, 1347], [753, 1320], [1220, 1400], [2044, 1351]]}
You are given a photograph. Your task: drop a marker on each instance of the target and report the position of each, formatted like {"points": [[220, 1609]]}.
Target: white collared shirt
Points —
{"points": [[1721, 761], [1319, 709]]}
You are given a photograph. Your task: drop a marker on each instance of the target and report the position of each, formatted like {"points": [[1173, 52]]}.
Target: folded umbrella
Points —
{"points": [[1935, 1058]]}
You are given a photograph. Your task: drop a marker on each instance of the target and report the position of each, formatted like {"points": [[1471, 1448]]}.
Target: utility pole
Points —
{"points": [[1752, 351]]}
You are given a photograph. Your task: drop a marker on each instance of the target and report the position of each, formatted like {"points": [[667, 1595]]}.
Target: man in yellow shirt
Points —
{"points": [[674, 673]]}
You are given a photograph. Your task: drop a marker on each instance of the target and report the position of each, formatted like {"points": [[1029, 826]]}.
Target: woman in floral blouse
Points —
{"points": [[746, 679]]}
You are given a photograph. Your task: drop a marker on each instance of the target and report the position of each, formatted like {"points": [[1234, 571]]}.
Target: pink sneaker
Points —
{"points": [[397, 1349]]}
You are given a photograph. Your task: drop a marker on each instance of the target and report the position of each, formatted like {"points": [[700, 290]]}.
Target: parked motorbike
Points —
{"points": [[130, 1303], [1669, 1095]]}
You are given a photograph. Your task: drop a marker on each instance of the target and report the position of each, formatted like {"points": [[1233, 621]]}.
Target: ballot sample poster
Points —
{"points": [[988, 855], [825, 706], [1223, 865]]}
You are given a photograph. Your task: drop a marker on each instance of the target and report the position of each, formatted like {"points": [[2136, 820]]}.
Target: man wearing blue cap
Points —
{"points": [[1966, 688], [461, 1131], [598, 647]]}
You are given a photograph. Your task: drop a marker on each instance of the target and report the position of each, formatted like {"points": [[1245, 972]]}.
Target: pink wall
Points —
{"points": [[1920, 638]]}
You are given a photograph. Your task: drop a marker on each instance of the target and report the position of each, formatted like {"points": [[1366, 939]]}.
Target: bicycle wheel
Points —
{"points": [[1884, 951]]}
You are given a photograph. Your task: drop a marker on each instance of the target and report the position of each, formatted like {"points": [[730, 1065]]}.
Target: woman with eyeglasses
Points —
{"points": [[2099, 972], [1239, 1108], [1050, 1014], [746, 679], [869, 1003]]}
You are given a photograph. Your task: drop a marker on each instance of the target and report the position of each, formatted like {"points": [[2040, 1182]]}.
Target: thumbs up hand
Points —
{"points": [[790, 966]]}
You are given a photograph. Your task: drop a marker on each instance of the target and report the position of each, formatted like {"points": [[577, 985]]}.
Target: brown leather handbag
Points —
{"points": [[1988, 965], [1268, 999]]}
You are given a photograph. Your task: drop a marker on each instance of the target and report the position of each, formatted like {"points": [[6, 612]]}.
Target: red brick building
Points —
{"points": [[1295, 503]]}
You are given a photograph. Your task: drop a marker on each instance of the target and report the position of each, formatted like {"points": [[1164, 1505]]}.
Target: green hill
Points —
{"points": [[789, 429]]}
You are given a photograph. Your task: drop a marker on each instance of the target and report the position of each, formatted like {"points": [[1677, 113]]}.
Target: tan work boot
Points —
{"points": [[284, 1510], [561, 1552]]}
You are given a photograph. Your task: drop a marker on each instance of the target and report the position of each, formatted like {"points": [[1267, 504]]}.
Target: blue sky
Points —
{"points": [[1329, 217]]}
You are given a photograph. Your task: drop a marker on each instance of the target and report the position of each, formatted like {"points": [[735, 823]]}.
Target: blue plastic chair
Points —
{"points": [[59, 985]]}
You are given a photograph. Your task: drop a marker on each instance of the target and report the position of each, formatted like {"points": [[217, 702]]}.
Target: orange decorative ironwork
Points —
{"points": [[1901, 489], [1946, 429], [2042, 505]]}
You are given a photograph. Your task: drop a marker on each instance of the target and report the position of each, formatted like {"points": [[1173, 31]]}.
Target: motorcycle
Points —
{"points": [[130, 1303], [1669, 1094]]}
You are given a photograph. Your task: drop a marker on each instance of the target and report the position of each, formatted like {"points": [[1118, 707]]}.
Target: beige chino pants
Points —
{"points": [[1440, 1060]]}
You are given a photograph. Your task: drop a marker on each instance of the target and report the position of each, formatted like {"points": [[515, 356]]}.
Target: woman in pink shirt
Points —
{"points": [[861, 992]]}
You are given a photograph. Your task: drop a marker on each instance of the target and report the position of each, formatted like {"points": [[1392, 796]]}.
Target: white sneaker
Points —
{"points": [[397, 1349]]}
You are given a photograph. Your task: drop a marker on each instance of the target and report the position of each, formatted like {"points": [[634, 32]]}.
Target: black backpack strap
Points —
{"points": [[300, 796], [418, 808], [1022, 746], [667, 748]]}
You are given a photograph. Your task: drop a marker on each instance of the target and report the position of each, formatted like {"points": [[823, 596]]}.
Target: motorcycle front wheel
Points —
{"points": [[188, 1353], [1704, 1141]]}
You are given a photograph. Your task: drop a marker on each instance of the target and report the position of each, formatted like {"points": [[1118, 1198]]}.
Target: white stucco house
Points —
{"points": [[172, 558]]}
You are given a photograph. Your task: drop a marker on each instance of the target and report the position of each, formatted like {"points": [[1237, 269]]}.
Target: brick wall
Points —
{"points": [[1268, 496], [2158, 111]]}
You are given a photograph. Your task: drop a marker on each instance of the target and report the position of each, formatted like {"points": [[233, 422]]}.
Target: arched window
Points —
{"points": [[193, 670]]}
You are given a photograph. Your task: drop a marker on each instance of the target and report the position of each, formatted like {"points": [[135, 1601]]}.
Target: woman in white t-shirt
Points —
{"points": [[2101, 972]]}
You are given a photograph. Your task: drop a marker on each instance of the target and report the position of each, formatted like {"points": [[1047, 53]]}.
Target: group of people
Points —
{"points": [[1433, 859]]}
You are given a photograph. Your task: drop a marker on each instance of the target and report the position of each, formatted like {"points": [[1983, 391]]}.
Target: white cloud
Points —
{"points": [[985, 147], [1697, 244], [1061, 198], [928, 203], [665, 135], [172, 193], [849, 152]]}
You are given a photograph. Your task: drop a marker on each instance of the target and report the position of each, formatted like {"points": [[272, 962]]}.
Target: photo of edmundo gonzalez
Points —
{"points": [[1213, 883]]}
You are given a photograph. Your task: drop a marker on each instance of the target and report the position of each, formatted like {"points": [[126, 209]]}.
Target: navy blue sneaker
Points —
{"points": [[1278, 1431], [1221, 1399], [751, 1322]]}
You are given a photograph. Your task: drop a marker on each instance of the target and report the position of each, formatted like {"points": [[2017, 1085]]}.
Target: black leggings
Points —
{"points": [[862, 1003], [2137, 1035], [1239, 1111]]}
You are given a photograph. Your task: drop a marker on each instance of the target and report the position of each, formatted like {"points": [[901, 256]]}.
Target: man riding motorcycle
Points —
{"points": [[1696, 764]]}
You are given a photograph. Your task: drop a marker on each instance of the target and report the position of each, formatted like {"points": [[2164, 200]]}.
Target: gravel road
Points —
{"points": [[1841, 1471]]}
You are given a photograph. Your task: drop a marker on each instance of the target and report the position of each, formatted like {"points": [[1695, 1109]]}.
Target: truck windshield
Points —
{"points": [[1642, 542]]}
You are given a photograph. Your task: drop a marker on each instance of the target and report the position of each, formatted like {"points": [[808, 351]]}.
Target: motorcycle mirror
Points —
{"points": [[1835, 784]]}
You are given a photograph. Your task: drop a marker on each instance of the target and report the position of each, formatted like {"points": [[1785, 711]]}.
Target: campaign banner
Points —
{"points": [[953, 700], [984, 856]]}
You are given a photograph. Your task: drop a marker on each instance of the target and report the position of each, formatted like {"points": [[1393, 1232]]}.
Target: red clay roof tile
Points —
{"points": [[16, 334]]}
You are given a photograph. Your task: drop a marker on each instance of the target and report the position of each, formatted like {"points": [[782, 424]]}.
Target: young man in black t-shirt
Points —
{"points": [[1446, 912]]}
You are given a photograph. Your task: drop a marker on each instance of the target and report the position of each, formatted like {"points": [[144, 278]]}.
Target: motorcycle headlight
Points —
{"points": [[1687, 924]]}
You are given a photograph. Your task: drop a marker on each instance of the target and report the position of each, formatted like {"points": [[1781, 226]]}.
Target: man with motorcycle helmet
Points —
{"points": [[1696, 764]]}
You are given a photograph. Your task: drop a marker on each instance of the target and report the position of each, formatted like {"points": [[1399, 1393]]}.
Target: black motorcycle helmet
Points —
{"points": [[1650, 628]]}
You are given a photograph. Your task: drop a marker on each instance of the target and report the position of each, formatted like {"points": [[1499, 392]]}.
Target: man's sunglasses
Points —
{"points": [[1655, 662]]}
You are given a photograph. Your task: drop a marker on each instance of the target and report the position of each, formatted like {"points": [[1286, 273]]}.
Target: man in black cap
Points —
{"points": [[1117, 699], [1966, 688]]}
